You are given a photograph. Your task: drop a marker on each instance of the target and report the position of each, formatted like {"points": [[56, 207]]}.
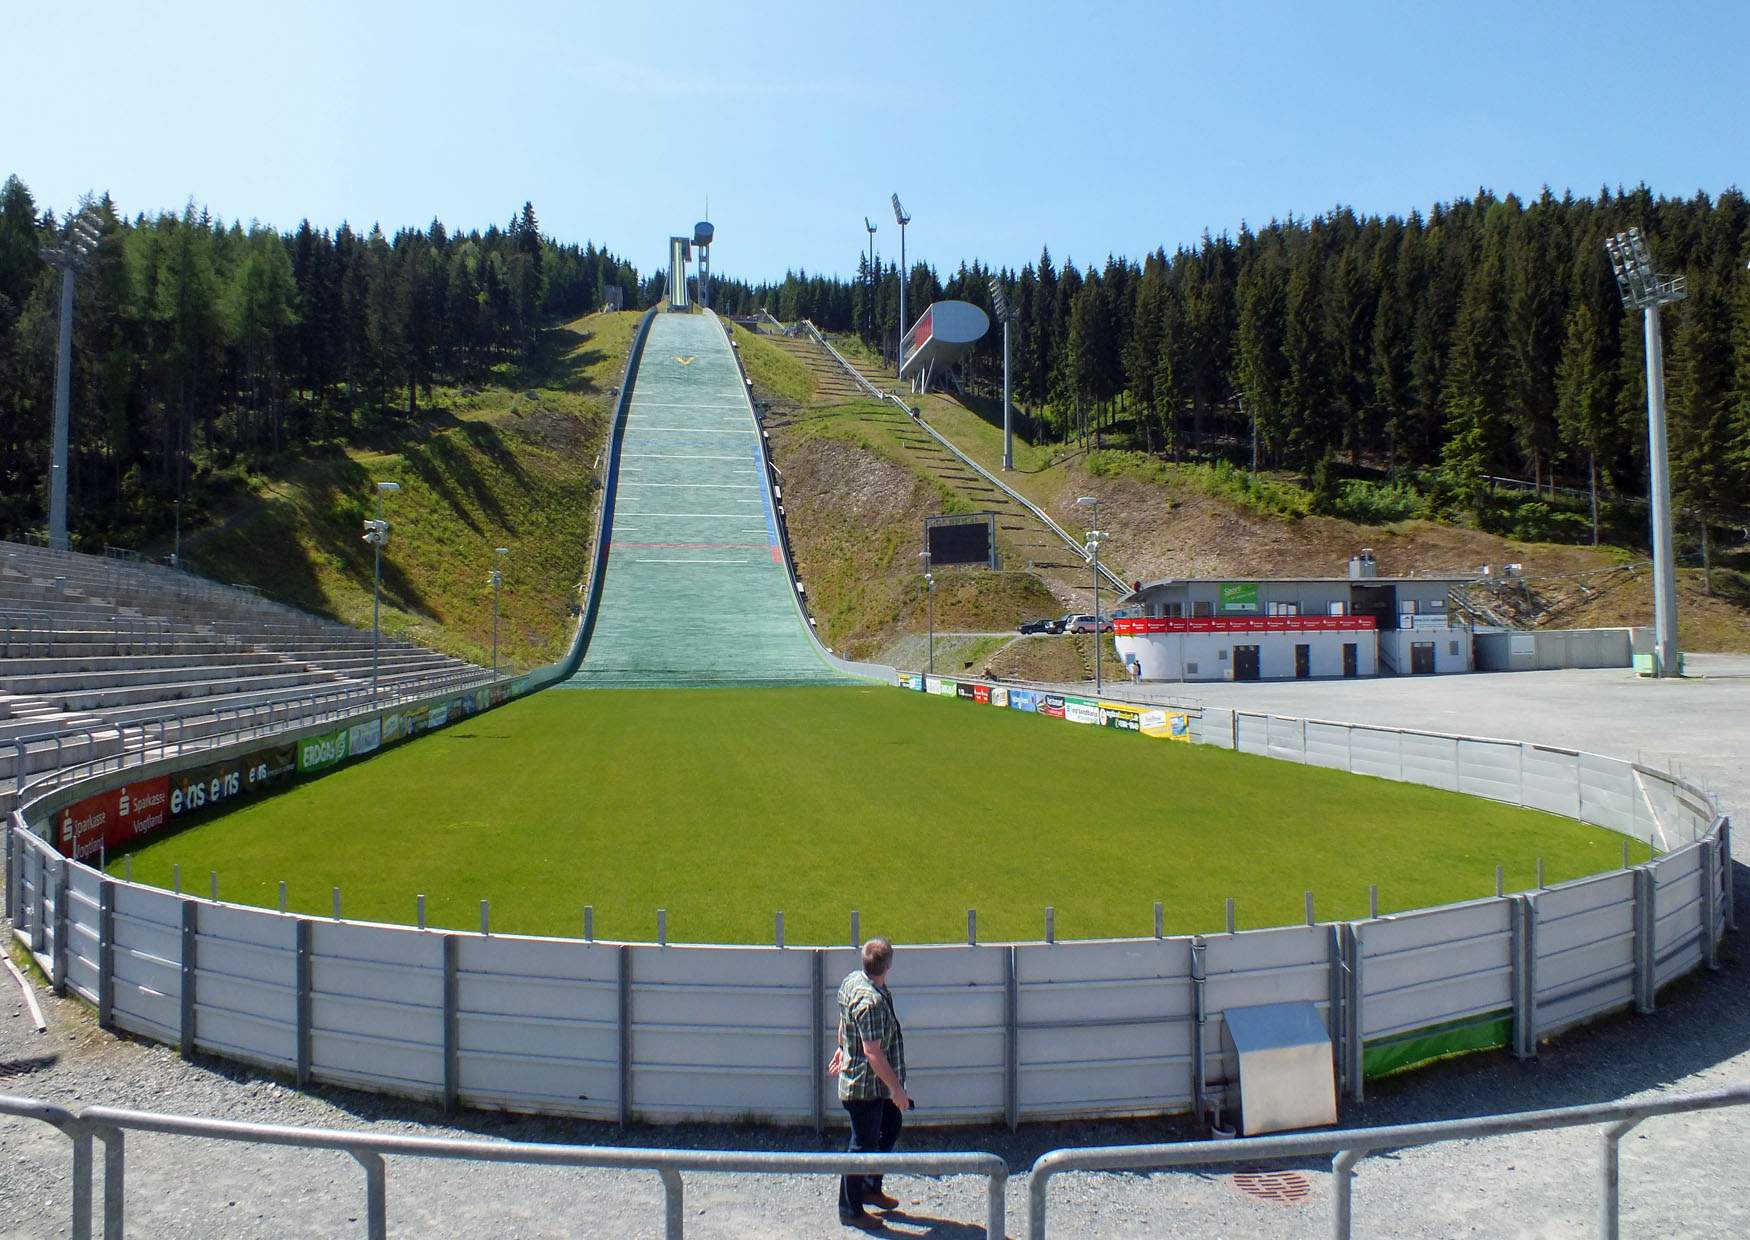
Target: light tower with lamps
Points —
{"points": [[496, 580], [902, 219], [1643, 290], [70, 256], [870, 282], [377, 534], [1096, 536], [930, 591], [1005, 315]]}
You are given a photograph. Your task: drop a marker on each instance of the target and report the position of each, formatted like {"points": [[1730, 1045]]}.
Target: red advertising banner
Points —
{"points": [[111, 819], [1136, 626], [981, 694]]}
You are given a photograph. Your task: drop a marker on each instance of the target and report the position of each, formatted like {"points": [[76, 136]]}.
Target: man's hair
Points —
{"points": [[877, 955]]}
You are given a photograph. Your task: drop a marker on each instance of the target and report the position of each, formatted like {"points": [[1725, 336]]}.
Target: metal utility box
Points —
{"points": [[1286, 1073]]}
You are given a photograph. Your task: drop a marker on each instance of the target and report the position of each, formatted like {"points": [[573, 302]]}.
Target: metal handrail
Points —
{"points": [[1349, 1146], [76, 1131], [368, 1149]]}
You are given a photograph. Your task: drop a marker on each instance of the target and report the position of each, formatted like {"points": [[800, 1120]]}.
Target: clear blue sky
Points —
{"points": [[1093, 127]]}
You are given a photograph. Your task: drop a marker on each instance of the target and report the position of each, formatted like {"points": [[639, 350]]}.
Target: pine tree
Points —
{"points": [[1475, 390], [1706, 484], [1583, 406]]}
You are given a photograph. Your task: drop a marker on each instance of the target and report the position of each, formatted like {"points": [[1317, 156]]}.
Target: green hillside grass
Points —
{"points": [[726, 806], [513, 463]]}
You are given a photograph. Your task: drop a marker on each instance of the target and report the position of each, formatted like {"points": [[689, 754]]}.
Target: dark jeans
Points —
{"points": [[874, 1127]]}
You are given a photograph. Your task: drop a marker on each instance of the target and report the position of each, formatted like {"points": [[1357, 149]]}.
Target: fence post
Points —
{"points": [[856, 930], [1710, 891], [971, 927], [452, 1021], [1159, 919], [190, 913], [1012, 1038], [12, 860], [1725, 838], [1050, 924], [105, 953], [1522, 919], [1646, 923], [1355, 1015], [301, 982], [58, 961], [1199, 987], [625, 1023], [817, 1038], [1337, 991]]}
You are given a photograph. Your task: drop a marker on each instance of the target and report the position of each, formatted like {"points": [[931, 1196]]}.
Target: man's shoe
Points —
{"points": [[884, 1201], [861, 1221]]}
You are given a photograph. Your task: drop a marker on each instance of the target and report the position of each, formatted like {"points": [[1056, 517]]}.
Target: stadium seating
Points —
{"points": [[102, 653]]}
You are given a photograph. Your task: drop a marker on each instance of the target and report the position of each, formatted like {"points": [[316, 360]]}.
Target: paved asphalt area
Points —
{"points": [[1682, 1176]]}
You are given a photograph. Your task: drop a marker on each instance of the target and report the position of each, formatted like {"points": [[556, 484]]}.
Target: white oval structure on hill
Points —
{"points": [[939, 337]]}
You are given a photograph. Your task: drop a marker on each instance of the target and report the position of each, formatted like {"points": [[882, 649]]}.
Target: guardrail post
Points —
{"points": [[1522, 920], [81, 1221], [1342, 1190], [190, 914], [1012, 1039], [1355, 1021], [1199, 995], [452, 1022], [58, 961], [376, 1193], [114, 1186], [1646, 923], [1610, 1178], [817, 1038], [302, 1007], [673, 1204], [625, 1029], [12, 857], [105, 953], [1710, 891]]}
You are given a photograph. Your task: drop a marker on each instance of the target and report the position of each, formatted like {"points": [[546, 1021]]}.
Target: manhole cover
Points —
{"points": [[22, 1067], [1283, 1186]]}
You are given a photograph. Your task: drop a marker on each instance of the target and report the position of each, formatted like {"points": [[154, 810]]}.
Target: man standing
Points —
{"points": [[870, 1065]]}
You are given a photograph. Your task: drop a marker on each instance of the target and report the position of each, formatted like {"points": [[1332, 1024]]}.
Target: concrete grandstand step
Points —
{"points": [[126, 695], [51, 684]]}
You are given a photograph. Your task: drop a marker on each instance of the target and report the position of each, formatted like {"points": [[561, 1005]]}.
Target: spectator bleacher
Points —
{"points": [[101, 654]]}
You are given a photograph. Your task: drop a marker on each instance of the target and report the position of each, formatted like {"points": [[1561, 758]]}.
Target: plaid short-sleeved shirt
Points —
{"points": [[866, 1012]]}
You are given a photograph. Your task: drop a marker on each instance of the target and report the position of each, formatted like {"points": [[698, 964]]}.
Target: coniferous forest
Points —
{"points": [[1485, 339], [1435, 353], [203, 350]]}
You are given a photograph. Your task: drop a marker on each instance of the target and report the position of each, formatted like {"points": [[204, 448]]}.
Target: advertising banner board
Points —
{"points": [[1024, 699], [1052, 704], [1239, 596], [911, 680], [436, 716], [981, 694], [969, 692], [316, 753], [364, 737], [111, 819], [1118, 715], [205, 786], [1081, 710], [1171, 725], [999, 696]]}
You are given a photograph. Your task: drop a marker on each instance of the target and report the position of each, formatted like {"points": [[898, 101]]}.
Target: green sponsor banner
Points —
{"points": [[1239, 596], [316, 753], [1419, 1046]]}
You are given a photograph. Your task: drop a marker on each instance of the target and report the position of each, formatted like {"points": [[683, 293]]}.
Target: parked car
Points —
{"points": [[1085, 624], [1048, 626]]}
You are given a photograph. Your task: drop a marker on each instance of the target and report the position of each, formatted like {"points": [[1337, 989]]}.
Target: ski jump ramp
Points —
{"points": [[696, 590]]}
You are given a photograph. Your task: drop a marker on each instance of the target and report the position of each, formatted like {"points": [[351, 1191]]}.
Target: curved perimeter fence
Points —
{"points": [[1002, 1031]]}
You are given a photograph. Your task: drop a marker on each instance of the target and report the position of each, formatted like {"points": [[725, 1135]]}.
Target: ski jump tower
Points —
{"points": [[679, 254]]}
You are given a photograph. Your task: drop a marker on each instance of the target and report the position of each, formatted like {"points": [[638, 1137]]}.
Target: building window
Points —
{"points": [[1406, 607], [1283, 609], [1172, 610], [1190, 669], [1452, 648], [1202, 608], [1339, 609], [1223, 656]]}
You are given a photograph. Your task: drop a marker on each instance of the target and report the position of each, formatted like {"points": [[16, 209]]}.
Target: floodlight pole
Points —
{"points": [[902, 219], [1094, 536], [378, 535], [497, 580], [930, 593], [1008, 414], [869, 282], [1666, 650]]}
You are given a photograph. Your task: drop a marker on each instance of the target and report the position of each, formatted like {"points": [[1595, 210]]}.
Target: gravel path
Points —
{"points": [[1681, 1176]]}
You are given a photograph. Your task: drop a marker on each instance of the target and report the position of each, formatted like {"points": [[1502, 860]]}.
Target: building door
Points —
{"points": [[1421, 658], [1245, 663], [1302, 661], [1351, 659]]}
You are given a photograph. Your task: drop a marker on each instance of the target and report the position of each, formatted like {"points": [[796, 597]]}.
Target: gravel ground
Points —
{"points": [[1681, 1175]]}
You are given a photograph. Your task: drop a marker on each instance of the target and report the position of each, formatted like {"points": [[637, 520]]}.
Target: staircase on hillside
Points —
{"points": [[832, 386]]}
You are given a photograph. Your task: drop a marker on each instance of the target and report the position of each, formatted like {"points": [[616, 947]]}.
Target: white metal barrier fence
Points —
{"points": [[1010, 1032]]}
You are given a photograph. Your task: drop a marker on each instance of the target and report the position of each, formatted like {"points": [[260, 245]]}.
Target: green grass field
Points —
{"points": [[724, 806]]}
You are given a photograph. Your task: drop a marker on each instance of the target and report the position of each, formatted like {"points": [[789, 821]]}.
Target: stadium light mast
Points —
{"points": [[70, 256], [1096, 536], [1643, 290], [377, 534], [869, 282], [1005, 315], [930, 591], [496, 580], [902, 219]]}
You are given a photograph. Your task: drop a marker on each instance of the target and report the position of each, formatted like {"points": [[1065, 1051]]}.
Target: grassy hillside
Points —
{"points": [[511, 464]]}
